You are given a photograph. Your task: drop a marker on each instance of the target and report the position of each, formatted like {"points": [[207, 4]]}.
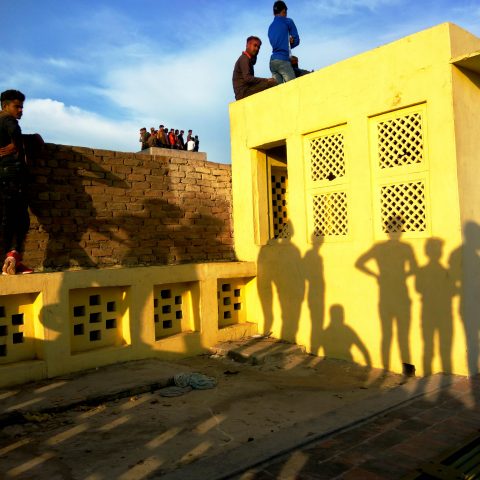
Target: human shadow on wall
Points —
{"points": [[314, 276], [464, 265], [64, 208], [279, 266], [435, 285], [338, 339], [395, 262]]}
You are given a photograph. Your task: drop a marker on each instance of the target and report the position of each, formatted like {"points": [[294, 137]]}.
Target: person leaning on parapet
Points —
{"points": [[283, 36], [244, 81], [14, 218]]}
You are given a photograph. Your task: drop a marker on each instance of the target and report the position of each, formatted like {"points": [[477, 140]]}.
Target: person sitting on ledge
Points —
{"points": [[299, 72], [244, 81]]}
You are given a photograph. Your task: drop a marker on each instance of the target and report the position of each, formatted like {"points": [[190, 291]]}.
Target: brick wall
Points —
{"points": [[95, 208]]}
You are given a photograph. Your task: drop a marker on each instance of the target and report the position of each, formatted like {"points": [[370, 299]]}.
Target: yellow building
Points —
{"points": [[355, 190]]}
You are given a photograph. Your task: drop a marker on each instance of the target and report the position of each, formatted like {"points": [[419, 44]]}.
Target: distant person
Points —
{"points": [[161, 137], [152, 139], [196, 143], [144, 135], [14, 218], [190, 144], [189, 136], [283, 36], [244, 81], [171, 138], [180, 141], [299, 72]]}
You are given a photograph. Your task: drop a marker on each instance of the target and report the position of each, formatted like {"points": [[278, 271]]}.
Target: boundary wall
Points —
{"points": [[56, 323], [167, 216], [99, 208]]}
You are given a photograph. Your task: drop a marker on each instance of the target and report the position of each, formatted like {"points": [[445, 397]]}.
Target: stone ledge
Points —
{"points": [[172, 153]]}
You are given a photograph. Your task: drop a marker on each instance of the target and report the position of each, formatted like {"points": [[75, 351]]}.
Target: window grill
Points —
{"points": [[97, 317], [171, 307], [17, 314], [400, 141], [279, 215], [403, 207], [330, 214], [327, 157], [231, 302]]}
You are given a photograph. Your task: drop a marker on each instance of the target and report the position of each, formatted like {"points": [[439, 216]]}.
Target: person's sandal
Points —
{"points": [[9, 265], [13, 264]]}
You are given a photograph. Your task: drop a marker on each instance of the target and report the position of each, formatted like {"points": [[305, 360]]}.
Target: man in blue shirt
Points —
{"points": [[283, 36]]}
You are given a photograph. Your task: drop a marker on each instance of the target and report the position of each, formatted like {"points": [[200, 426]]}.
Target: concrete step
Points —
{"points": [[257, 350]]}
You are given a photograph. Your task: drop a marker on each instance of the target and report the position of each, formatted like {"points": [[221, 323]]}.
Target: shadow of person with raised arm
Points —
{"points": [[435, 285], [315, 281], [395, 262], [280, 266], [465, 270]]}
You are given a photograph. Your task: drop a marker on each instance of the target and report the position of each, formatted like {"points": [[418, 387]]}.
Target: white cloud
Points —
{"points": [[334, 8], [58, 123]]}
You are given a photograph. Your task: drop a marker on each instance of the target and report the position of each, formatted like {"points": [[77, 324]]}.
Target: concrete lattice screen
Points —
{"points": [[99, 208]]}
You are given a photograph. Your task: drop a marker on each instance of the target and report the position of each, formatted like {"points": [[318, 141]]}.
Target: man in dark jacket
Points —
{"points": [[14, 218], [244, 81]]}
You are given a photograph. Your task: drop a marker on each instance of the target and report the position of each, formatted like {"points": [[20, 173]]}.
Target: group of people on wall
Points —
{"points": [[168, 139], [283, 37]]}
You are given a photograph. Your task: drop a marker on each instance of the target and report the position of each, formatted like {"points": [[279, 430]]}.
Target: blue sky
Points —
{"points": [[95, 71]]}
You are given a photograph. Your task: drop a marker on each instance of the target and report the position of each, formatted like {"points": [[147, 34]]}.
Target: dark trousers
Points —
{"points": [[258, 87], [14, 218]]}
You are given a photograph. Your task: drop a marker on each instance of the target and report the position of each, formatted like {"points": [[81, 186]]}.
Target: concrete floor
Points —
{"points": [[271, 400]]}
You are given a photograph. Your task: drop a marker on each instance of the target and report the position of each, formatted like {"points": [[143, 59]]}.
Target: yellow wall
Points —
{"points": [[300, 280], [56, 323], [465, 260]]}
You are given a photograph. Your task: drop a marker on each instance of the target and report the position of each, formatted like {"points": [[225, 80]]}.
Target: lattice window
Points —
{"points": [[403, 207], [400, 141], [171, 309], [327, 157], [97, 318], [17, 328], [330, 214], [231, 302], [279, 213]]}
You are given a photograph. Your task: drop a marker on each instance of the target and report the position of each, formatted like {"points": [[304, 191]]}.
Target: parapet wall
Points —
{"points": [[99, 208], [62, 322]]}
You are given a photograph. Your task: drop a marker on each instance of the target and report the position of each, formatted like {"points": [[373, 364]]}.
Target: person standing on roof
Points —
{"points": [[283, 36]]}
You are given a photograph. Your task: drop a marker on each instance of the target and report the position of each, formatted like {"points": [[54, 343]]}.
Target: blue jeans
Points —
{"points": [[282, 70]]}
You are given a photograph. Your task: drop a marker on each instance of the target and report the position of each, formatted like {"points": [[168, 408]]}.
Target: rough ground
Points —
{"points": [[274, 388]]}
